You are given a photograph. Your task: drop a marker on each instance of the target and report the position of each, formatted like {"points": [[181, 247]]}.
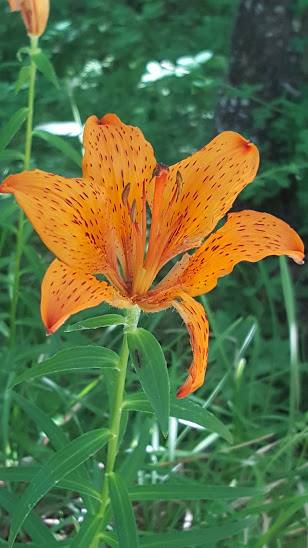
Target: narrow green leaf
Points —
{"points": [[9, 130], [135, 459], [201, 536], [33, 525], [45, 66], [57, 438], [78, 358], [8, 156], [96, 322], [71, 482], [150, 365], [125, 524], [56, 468], [60, 144], [23, 77], [189, 491], [182, 409], [273, 530], [88, 530], [190, 411]]}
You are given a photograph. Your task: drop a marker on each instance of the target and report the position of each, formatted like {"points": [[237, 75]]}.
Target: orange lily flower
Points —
{"points": [[98, 225], [34, 13]]}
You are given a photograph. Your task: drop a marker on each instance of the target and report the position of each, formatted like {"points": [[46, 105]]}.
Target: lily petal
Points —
{"points": [[246, 236], [118, 157], [193, 314], [69, 216], [201, 189], [66, 291]]}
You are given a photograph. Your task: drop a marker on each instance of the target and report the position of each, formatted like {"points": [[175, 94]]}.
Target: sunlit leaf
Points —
{"points": [[96, 322]]}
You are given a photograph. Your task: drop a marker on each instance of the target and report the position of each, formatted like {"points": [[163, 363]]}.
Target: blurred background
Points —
{"points": [[182, 72]]}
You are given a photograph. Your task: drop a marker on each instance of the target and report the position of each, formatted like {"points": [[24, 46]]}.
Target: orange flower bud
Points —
{"points": [[34, 13]]}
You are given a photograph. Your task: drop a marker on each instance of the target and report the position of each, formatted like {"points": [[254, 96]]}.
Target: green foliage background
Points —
{"points": [[255, 384]]}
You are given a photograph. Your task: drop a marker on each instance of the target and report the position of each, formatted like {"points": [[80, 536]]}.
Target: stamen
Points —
{"points": [[178, 187], [125, 194], [132, 211], [159, 168]]}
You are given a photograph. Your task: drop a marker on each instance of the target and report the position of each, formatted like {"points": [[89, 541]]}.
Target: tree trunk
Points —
{"points": [[263, 65]]}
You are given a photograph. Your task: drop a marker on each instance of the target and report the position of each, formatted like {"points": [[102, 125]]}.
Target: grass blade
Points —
{"points": [[57, 467], [123, 514], [60, 144], [203, 536], [9, 130], [39, 533], [189, 491]]}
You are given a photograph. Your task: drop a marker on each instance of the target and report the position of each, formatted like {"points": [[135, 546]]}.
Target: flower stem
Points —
{"points": [[19, 249], [132, 317], [21, 220]]}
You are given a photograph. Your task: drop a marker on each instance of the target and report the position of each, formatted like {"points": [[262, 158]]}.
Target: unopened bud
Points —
{"points": [[34, 13]]}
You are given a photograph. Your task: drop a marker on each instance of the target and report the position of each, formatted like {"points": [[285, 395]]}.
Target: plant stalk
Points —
{"points": [[19, 249], [21, 220], [132, 317]]}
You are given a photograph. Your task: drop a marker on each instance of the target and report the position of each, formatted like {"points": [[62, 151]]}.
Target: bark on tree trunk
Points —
{"points": [[261, 56]]}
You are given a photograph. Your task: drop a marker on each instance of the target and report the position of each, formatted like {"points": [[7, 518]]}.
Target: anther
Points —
{"points": [[125, 194], [157, 171], [132, 211]]}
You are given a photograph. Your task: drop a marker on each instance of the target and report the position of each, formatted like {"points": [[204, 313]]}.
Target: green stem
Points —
{"points": [[21, 220], [19, 249], [132, 317], [289, 299]]}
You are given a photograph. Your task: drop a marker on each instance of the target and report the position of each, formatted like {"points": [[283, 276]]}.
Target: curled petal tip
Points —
{"points": [[5, 188], [50, 330], [185, 389], [298, 257], [181, 394], [109, 118]]}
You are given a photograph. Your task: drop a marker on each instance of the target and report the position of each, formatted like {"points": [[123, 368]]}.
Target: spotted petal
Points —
{"points": [[121, 161], [68, 215], [66, 291], [201, 189], [246, 236], [194, 316]]}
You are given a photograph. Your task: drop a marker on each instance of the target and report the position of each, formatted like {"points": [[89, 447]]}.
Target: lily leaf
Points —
{"points": [[96, 322], [150, 365], [78, 358], [9, 130]]}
